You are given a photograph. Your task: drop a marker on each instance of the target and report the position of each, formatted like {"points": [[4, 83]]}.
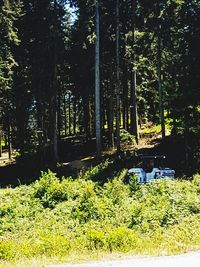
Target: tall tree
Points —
{"points": [[97, 83], [162, 115], [159, 58], [10, 11], [134, 108], [117, 79]]}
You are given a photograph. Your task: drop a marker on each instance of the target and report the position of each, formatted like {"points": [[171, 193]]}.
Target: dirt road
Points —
{"points": [[186, 260]]}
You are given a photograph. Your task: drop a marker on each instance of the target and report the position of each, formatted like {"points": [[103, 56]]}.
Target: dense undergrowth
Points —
{"points": [[56, 218]]}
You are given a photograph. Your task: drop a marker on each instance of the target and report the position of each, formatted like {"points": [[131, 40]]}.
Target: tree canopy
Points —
{"points": [[148, 58]]}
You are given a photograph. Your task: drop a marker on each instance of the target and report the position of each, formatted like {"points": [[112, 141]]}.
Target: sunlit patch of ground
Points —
{"points": [[4, 159]]}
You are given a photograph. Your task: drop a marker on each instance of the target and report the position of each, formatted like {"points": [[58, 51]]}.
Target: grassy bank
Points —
{"points": [[67, 219]]}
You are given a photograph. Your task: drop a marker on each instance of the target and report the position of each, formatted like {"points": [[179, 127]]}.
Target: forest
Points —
{"points": [[94, 71], [86, 86]]}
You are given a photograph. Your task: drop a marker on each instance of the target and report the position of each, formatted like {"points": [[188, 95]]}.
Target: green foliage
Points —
{"points": [[121, 238], [133, 183], [164, 203], [126, 137], [56, 217], [196, 181], [151, 129], [95, 173]]}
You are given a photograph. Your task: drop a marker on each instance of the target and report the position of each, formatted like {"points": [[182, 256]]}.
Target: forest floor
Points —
{"points": [[77, 155], [4, 159]]}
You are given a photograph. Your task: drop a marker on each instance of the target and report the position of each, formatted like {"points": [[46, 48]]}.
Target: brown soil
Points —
{"points": [[4, 159]]}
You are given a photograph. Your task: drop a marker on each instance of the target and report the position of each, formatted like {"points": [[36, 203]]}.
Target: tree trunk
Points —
{"points": [[187, 119], [103, 119], [110, 122], [69, 113], [0, 143], [134, 112], [125, 98], [87, 117], [54, 98], [162, 117], [133, 107], [9, 142], [53, 124], [55, 137], [117, 80], [59, 115], [110, 115], [97, 86], [74, 118], [65, 114]]}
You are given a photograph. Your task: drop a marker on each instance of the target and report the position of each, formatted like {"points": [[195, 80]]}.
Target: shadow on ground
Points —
{"points": [[76, 155]]}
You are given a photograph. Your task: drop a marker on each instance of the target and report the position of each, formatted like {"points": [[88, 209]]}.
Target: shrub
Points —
{"points": [[196, 181], [55, 217], [120, 239], [127, 138], [95, 239]]}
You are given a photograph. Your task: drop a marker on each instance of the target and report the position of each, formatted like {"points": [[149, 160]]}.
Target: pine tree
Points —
{"points": [[97, 83]]}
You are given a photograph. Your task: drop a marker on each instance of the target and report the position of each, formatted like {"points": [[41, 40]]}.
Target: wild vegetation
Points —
{"points": [[58, 218], [98, 80]]}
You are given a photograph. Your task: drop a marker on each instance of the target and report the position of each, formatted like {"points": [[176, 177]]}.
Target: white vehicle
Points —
{"points": [[152, 168]]}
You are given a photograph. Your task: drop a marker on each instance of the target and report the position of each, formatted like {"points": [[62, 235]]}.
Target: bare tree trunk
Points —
{"points": [[0, 143], [110, 122], [9, 142], [97, 86], [74, 118], [54, 98], [125, 98], [162, 116], [103, 120], [87, 116], [127, 108], [124, 80], [187, 118], [54, 127], [69, 113], [65, 114], [110, 115], [159, 70], [59, 126], [134, 110], [117, 81]]}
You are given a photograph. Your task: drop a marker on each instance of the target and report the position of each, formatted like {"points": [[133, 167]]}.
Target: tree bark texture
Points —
{"points": [[97, 85]]}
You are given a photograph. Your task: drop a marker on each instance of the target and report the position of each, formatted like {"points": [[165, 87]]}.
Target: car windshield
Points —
{"points": [[148, 163]]}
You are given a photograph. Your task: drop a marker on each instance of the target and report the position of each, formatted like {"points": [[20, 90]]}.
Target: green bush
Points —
{"points": [[56, 217], [95, 239], [121, 239], [196, 181], [127, 138]]}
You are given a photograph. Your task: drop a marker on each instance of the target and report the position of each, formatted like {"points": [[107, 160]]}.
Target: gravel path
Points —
{"points": [[186, 260]]}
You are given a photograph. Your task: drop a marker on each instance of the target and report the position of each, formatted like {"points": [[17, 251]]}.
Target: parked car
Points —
{"points": [[152, 167]]}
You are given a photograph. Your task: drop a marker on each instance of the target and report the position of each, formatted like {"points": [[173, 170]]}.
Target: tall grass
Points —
{"points": [[56, 218]]}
